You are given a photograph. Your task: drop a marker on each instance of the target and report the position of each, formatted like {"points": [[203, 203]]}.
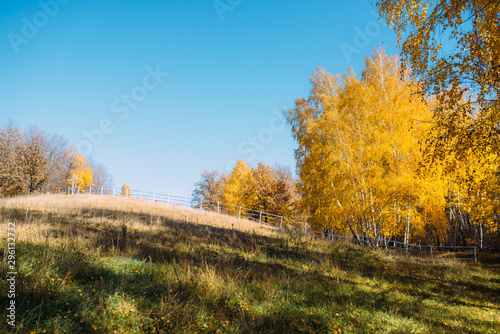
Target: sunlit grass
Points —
{"points": [[116, 265]]}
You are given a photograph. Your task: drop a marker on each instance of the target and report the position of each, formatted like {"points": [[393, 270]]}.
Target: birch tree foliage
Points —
{"points": [[236, 185], [470, 173], [81, 170], [359, 151], [454, 46]]}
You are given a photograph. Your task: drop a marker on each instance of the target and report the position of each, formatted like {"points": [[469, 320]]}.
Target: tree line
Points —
{"points": [[260, 188], [33, 161], [409, 150], [383, 155], [371, 160]]}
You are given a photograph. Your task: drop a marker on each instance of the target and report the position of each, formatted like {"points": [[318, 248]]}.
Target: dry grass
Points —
{"points": [[133, 212], [90, 264]]}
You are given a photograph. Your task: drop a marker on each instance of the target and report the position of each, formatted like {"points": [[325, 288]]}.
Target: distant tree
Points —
{"points": [[126, 190], [287, 196], [262, 189], [34, 161], [101, 176], [81, 171], [60, 158], [210, 188], [273, 190], [236, 186], [44, 160], [11, 166], [35, 153]]}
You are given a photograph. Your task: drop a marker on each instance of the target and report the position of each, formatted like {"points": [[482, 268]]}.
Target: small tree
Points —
{"points": [[236, 187], [210, 188], [81, 171], [101, 176], [126, 190], [288, 199], [11, 166], [35, 158]]}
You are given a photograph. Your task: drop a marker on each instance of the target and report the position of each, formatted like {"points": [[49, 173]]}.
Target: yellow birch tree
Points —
{"points": [[81, 171], [359, 151], [236, 185]]}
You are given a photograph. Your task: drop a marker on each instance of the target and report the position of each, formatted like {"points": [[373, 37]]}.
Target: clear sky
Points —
{"points": [[160, 90]]}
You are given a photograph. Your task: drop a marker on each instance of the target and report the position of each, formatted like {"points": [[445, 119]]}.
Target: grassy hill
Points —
{"points": [[91, 264]]}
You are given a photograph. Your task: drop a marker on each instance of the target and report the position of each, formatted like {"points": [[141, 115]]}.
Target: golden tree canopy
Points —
{"points": [[359, 151], [449, 43], [126, 190], [236, 185], [81, 171], [454, 46]]}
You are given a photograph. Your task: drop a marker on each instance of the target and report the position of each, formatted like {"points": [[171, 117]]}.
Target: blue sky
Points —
{"points": [[159, 91]]}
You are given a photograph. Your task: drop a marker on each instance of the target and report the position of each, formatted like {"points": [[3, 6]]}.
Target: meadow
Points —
{"points": [[91, 264]]}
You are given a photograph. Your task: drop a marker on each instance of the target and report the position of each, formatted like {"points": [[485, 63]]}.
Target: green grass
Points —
{"points": [[98, 268]]}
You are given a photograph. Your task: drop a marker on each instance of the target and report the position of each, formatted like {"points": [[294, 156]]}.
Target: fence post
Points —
{"points": [[90, 190], [432, 255], [332, 233], [260, 216], [239, 213], [201, 204], [305, 228], [475, 257], [281, 222], [218, 207]]}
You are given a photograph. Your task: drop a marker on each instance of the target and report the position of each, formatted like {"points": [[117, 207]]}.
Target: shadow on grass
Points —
{"points": [[181, 244]]}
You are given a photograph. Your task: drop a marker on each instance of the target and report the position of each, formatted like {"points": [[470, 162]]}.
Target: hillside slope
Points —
{"points": [[88, 264]]}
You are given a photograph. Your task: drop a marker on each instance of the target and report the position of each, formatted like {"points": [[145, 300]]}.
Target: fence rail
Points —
{"points": [[463, 253]]}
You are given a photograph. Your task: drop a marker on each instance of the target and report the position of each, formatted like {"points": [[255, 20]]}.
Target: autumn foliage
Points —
{"points": [[81, 172], [359, 151], [261, 188], [366, 159], [373, 160], [126, 192], [33, 161], [454, 48]]}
